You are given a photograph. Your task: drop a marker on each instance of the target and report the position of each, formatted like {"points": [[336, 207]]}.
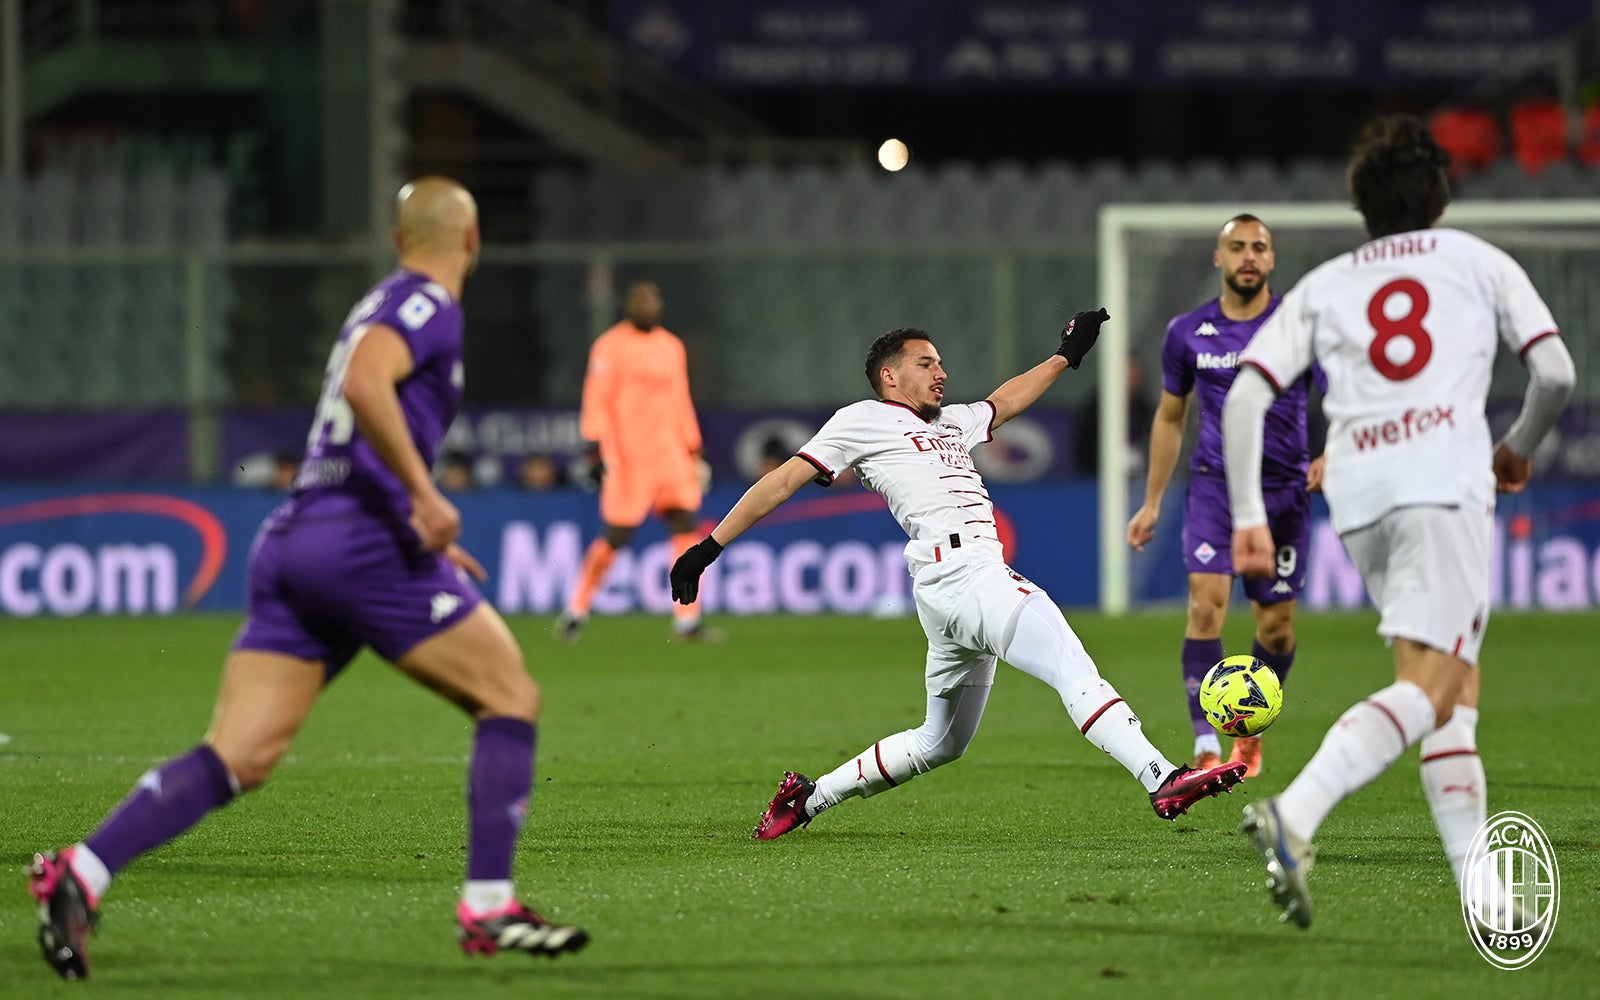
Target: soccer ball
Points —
{"points": [[1241, 696]]}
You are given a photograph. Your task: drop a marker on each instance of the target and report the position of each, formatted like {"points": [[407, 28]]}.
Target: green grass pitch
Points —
{"points": [[1032, 867]]}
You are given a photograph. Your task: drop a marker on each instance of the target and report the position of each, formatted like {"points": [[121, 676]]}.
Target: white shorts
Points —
{"points": [[1427, 569], [965, 599]]}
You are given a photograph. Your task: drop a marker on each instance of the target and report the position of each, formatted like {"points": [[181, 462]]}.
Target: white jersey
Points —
{"points": [[923, 469], [1405, 328]]}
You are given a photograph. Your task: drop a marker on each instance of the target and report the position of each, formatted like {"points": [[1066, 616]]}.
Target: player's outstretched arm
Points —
{"points": [[761, 499], [1166, 442], [1022, 391]]}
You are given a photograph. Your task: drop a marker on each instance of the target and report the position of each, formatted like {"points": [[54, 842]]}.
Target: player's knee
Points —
{"points": [[250, 768], [1443, 708], [1445, 695], [1205, 618], [679, 521], [617, 537], [516, 697], [1276, 636], [945, 749]]}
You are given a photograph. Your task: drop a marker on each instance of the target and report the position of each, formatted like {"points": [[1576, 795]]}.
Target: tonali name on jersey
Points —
{"points": [[1406, 329]]}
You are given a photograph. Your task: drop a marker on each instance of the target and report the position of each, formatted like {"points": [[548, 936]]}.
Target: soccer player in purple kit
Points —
{"points": [[1199, 358], [363, 552]]}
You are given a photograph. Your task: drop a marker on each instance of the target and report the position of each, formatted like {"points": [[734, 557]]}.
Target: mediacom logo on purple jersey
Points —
{"points": [[112, 553]]}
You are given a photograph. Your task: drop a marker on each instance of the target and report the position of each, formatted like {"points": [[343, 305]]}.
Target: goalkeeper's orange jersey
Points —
{"points": [[636, 403]]}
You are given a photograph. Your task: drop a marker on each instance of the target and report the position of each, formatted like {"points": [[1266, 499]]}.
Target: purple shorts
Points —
{"points": [[321, 587], [1208, 536]]}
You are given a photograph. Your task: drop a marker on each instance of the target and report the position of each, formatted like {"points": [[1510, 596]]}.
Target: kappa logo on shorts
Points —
{"points": [[1205, 553], [444, 605]]}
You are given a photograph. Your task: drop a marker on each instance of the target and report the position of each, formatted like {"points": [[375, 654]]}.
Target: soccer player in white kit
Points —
{"points": [[915, 451], [1405, 327]]}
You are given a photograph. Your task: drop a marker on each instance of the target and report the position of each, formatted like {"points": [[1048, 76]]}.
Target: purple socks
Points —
{"points": [[167, 801], [498, 783], [1280, 663], [1199, 655]]}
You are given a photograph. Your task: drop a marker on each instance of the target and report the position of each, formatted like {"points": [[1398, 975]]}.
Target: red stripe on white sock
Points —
{"points": [[1393, 720], [1084, 729], [877, 751], [1442, 754]]}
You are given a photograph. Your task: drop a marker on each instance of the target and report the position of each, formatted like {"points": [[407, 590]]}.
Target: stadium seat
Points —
{"points": [[559, 205], [1588, 146], [1057, 211], [1470, 135], [814, 210], [1158, 181], [1503, 179], [956, 209], [1260, 180], [1314, 179], [153, 215], [1007, 201], [1209, 180], [13, 198], [102, 209], [1538, 134], [49, 221], [206, 198], [1565, 179]]}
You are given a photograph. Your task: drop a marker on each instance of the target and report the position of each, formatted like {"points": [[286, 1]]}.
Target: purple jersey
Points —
{"points": [[1201, 352], [341, 471]]}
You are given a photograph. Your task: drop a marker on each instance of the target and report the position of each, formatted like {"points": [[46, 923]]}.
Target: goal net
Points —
{"points": [[1155, 262]]}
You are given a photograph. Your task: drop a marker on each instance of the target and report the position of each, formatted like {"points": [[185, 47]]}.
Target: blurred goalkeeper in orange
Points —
{"points": [[637, 412]]}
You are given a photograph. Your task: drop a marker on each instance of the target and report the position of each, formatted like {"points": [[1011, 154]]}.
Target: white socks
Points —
{"points": [[91, 871], [487, 895], [1041, 643], [1453, 778], [1368, 737], [891, 761], [951, 723], [1107, 722]]}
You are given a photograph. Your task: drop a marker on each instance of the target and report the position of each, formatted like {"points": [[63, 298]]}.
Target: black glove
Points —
{"points": [[1079, 335], [686, 571], [595, 471]]}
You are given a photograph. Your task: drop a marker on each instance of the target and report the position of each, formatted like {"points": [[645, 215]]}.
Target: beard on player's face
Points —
{"points": [[1248, 286]]}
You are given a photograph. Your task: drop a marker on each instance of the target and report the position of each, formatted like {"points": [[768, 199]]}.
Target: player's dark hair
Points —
{"points": [[1399, 177], [887, 349], [1244, 217]]}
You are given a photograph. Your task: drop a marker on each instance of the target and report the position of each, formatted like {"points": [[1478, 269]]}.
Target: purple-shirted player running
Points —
{"points": [[1200, 357], [362, 553]]}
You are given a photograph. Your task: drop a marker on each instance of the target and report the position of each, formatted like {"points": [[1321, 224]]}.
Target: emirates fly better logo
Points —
{"points": [[1510, 890]]}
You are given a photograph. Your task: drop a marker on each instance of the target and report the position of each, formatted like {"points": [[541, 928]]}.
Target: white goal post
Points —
{"points": [[1120, 223]]}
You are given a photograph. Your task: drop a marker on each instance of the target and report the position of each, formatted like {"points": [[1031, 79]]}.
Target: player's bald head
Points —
{"points": [[433, 212], [1241, 223]]}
